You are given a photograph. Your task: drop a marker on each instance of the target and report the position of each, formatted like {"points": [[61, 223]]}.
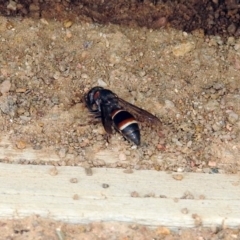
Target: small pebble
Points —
{"points": [[128, 171], [122, 157], [182, 49], [162, 196], [21, 90], [101, 83], [206, 170], [75, 197], [10, 25], [212, 164], [12, 5], [84, 76], [189, 144], [68, 34], [197, 220], [215, 170], [134, 194], [232, 28], [25, 118], [88, 171], [53, 171], [233, 117], [180, 169], [56, 75], [216, 127], [68, 23], [44, 21], [169, 104], [184, 211], [73, 180], [202, 197], [178, 177], [187, 195], [34, 7], [21, 144], [62, 153], [5, 86], [159, 23], [215, 229], [163, 231], [211, 105], [161, 147], [142, 73]]}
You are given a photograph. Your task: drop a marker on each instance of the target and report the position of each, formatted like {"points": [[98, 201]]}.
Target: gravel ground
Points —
{"points": [[39, 228], [189, 80]]}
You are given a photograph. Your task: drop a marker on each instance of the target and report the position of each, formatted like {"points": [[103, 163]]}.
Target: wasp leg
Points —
{"points": [[94, 121], [93, 111], [107, 137]]}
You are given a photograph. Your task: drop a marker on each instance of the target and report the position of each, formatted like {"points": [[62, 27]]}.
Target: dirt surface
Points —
{"points": [[39, 228], [190, 81]]}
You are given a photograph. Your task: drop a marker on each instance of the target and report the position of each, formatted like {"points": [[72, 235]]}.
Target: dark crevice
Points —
{"points": [[216, 17]]}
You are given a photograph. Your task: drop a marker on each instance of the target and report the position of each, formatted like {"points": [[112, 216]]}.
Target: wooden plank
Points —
{"points": [[28, 189], [9, 152]]}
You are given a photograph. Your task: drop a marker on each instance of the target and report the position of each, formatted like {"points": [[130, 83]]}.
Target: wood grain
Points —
{"points": [[69, 194]]}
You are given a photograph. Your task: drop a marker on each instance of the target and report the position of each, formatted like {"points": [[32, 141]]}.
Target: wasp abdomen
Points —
{"points": [[127, 125]]}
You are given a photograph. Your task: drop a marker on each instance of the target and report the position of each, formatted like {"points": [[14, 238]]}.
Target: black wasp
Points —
{"points": [[115, 112]]}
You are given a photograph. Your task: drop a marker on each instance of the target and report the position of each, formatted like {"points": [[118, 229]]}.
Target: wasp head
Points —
{"points": [[92, 98]]}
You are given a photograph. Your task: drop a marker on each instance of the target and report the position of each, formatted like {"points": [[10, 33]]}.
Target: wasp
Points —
{"points": [[117, 113]]}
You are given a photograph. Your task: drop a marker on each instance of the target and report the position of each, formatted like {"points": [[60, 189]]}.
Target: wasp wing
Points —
{"points": [[106, 119], [139, 113]]}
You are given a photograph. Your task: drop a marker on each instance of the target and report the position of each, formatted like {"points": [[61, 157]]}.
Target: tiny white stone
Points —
{"points": [[5, 86], [101, 83], [122, 157]]}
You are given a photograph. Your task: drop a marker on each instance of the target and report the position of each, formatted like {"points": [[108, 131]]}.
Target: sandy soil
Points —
{"points": [[39, 228], [188, 80]]}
